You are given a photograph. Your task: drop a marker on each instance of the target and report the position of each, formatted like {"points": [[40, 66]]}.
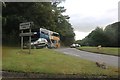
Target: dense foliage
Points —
{"points": [[109, 37], [44, 15]]}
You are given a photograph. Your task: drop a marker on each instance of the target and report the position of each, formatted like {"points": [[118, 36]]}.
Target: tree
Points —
{"points": [[95, 38], [108, 37], [63, 26], [113, 30], [44, 15]]}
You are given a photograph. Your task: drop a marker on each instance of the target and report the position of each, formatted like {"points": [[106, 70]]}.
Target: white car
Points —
{"points": [[40, 40], [39, 43], [75, 45]]}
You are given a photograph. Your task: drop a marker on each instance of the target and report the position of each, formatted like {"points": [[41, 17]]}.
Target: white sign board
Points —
{"points": [[25, 25]]}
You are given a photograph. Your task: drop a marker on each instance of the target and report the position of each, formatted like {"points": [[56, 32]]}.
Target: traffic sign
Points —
{"points": [[26, 25], [22, 27]]}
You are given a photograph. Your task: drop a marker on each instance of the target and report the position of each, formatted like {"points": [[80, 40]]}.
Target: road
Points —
{"points": [[108, 59]]}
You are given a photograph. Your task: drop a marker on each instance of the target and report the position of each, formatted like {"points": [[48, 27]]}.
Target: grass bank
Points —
{"points": [[50, 62], [102, 50]]}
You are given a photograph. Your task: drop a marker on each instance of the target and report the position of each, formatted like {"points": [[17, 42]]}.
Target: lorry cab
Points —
{"points": [[56, 41]]}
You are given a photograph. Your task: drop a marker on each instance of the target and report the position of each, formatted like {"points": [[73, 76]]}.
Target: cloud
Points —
{"points": [[89, 23], [86, 15], [80, 35]]}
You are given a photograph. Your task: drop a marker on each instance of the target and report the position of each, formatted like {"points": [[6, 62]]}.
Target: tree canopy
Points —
{"points": [[109, 37], [44, 15]]}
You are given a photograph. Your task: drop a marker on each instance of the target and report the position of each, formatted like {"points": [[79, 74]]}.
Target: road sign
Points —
{"points": [[25, 25], [22, 27], [26, 34]]}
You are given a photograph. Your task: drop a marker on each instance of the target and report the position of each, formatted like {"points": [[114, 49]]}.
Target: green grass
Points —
{"points": [[102, 50], [50, 62]]}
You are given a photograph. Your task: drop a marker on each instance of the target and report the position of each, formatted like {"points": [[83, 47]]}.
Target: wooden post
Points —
{"points": [[21, 40], [29, 42], [24, 26]]}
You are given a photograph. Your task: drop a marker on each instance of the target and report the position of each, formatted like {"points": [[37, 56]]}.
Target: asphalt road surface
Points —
{"points": [[108, 59]]}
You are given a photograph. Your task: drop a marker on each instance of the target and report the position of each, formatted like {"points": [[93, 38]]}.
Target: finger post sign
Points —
{"points": [[22, 27]]}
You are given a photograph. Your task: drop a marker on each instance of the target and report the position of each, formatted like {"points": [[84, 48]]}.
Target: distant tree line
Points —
{"points": [[109, 37], [44, 15]]}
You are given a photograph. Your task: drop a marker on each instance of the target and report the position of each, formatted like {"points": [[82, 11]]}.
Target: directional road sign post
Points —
{"points": [[24, 26]]}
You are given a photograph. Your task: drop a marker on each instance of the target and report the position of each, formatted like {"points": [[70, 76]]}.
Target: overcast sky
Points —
{"points": [[86, 15]]}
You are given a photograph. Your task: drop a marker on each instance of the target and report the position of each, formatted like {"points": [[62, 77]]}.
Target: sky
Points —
{"points": [[86, 15]]}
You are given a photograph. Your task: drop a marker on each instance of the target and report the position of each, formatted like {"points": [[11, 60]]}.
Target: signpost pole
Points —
{"points": [[24, 26], [29, 41], [21, 40]]}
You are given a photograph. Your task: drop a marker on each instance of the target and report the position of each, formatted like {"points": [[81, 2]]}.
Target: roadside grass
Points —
{"points": [[102, 50], [49, 61]]}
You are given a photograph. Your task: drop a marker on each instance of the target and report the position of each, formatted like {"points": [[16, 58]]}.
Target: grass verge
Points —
{"points": [[50, 62], [102, 50]]}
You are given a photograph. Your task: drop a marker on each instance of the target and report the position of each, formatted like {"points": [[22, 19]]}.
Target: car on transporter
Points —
{"points": [[37, 43], [44, 38]]}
